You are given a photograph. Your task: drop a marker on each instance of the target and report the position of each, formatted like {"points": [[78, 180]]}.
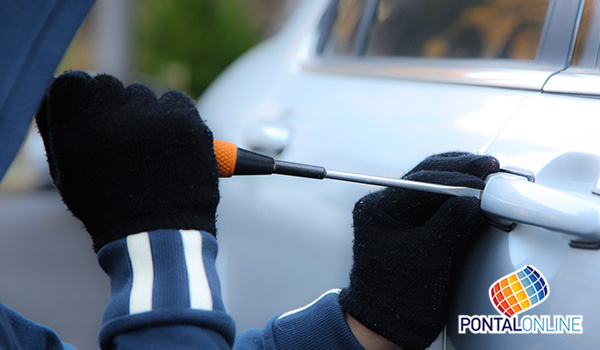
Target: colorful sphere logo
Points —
{"points": [[519, 291]]}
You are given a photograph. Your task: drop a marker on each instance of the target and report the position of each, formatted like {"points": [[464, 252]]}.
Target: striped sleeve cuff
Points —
{"points": [[162, 278]]}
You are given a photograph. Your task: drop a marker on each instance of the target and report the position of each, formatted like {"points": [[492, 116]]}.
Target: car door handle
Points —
{"points": [[514, 199], [267, 137]]}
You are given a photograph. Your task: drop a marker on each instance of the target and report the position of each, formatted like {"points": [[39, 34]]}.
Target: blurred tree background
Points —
{"points": [[187, 43], [171, 44]]}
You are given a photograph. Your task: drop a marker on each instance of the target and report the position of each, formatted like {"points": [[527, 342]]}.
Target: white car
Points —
{"points": [[374, 87]]}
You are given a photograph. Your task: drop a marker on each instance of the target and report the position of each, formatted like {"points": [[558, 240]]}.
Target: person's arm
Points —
{"points": [[141, 174], [164, 292], [318, 325], [19, 333], [35, 35]]}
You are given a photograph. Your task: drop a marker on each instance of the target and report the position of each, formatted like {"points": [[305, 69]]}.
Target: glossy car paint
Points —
{"points": [[285, 240], [555, 138]]}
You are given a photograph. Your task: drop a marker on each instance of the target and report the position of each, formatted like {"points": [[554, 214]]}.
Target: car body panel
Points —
{"points": [[284, 240], [548, 127]]}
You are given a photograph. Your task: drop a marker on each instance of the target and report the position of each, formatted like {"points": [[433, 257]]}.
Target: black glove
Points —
{"points": [[126, 162], [404, 241]]}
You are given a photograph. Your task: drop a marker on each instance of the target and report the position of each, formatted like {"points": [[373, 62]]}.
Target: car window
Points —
{"points": [[345, 28], [585, 53], [505, 29]]}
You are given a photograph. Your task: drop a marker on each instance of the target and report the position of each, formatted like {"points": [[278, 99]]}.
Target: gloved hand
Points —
{"points": [[404, 241], [126, 162]]}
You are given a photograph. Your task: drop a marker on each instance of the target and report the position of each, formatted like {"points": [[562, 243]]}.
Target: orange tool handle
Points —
{"points": [[226, 153], [238, 161]]}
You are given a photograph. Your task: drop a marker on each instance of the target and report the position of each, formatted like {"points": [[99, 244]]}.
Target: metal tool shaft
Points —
{"points": [[407, 184], [238, 161]]}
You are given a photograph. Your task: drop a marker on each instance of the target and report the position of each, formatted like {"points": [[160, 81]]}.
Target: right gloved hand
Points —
{"points": [[126, 162], [404, 241]]}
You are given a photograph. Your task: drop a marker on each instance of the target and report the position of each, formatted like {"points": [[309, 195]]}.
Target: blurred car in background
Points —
{"points": [[374, 87]]}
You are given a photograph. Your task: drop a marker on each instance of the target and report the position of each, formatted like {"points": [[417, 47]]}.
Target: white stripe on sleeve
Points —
{"points": [[140, 255], [200, 294], [337, 291]]}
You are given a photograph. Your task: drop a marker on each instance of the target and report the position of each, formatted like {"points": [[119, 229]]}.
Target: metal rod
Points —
{"points": [[407, 184]]}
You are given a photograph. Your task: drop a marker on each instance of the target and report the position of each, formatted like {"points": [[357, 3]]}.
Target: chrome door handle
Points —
{"points": [[515, 200], [268, 137], [562, 199]]}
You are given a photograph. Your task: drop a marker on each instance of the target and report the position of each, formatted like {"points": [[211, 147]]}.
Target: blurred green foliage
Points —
{"points": [[187, 43]]}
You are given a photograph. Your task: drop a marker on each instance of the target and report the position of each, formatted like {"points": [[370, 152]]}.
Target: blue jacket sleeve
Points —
{"points": [[34, 35], [318, 325], [19, 333], [165, 293]]}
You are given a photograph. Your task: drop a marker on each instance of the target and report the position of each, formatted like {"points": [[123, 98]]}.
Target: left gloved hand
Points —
{"points": [[125, 161], [404, 242]]}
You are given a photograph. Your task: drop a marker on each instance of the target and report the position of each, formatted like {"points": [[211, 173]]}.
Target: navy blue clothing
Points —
{"points": [[29, 335], [165, 294], [34, 35], [319, 325], [163, 279]]}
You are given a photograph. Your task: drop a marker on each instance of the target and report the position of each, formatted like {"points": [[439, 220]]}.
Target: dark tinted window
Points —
{"points": [[345, 28], [586, 47], [447, 28]]}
